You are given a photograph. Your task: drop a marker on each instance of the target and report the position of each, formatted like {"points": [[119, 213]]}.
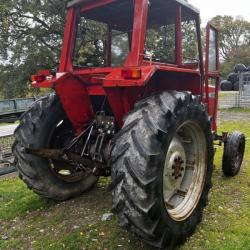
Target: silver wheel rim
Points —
{"points": [[184, 171]]}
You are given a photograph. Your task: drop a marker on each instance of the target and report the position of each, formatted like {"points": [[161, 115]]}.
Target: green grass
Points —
{"points": [[223, 94], [6, 124], [31, 222], [16, 200], [236, 110], [67, 225], [226, 223]]}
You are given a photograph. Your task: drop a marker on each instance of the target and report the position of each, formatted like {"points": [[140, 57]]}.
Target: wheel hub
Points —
{"points": [[178, 167], [184, 171], [174, 166]]}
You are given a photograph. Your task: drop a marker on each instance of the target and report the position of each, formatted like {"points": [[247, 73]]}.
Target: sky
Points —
{"points": [[211, 8]]}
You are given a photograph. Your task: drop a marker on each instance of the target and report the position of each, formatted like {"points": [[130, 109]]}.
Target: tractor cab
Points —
{"points": [[134, 33], [137, 43], [108, 35]]}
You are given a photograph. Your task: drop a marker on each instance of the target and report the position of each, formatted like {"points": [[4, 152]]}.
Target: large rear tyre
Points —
{"points": [[236, 86], [239, 68], [162, 164], [45, 125], [233, 77], [226, 85]]}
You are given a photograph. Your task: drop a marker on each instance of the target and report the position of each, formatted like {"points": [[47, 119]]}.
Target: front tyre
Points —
{"points": [[161, 168], [233, 154], [46, 125]]}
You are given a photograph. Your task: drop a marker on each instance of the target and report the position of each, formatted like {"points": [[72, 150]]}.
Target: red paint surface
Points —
{"points": [[76, 101]]}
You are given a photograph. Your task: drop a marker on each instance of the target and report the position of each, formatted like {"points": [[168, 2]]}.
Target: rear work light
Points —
{"points": [[42, 75], [131, 73]]}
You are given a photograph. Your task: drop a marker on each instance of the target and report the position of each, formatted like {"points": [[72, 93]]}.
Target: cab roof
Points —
{"points": [[181, 2]]}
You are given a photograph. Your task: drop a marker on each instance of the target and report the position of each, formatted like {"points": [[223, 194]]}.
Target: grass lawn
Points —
{"points": [[30, 222], [5, 124]]}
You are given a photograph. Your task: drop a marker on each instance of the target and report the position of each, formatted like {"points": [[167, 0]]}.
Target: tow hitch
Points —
{"points": [[92, 155]]}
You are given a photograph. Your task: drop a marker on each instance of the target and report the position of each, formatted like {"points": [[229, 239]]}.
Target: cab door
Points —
{"points": [[212, 76]]}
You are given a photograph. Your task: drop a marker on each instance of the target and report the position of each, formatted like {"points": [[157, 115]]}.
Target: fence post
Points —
{"points": [[1, 153]]}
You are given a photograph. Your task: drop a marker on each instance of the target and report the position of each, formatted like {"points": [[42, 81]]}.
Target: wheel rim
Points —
{"points": [[239, 156], [184, 171], [62, 135]]}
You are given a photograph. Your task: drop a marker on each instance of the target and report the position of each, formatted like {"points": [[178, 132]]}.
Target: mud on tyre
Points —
{"points": [[153, 167]]}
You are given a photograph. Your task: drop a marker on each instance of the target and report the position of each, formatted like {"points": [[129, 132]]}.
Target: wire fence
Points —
{"points": [[233, 99], [237, 99]]}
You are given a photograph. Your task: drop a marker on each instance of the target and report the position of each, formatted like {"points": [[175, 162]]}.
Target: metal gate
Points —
{"points": [[244, 89], [237, 99]]}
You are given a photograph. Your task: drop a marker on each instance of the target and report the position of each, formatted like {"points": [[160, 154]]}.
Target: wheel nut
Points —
{"points": [[182, 169], [180, 175]]}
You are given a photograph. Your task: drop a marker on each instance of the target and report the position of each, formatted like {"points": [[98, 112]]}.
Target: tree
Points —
{"points": [[234, 42], [31, 35], [234, 34]]}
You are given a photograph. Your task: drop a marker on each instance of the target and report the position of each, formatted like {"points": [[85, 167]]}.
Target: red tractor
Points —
{"points": [[133, 99]]}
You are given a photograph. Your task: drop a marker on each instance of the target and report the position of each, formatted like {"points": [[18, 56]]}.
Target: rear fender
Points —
{"points": [[75, 100]]}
